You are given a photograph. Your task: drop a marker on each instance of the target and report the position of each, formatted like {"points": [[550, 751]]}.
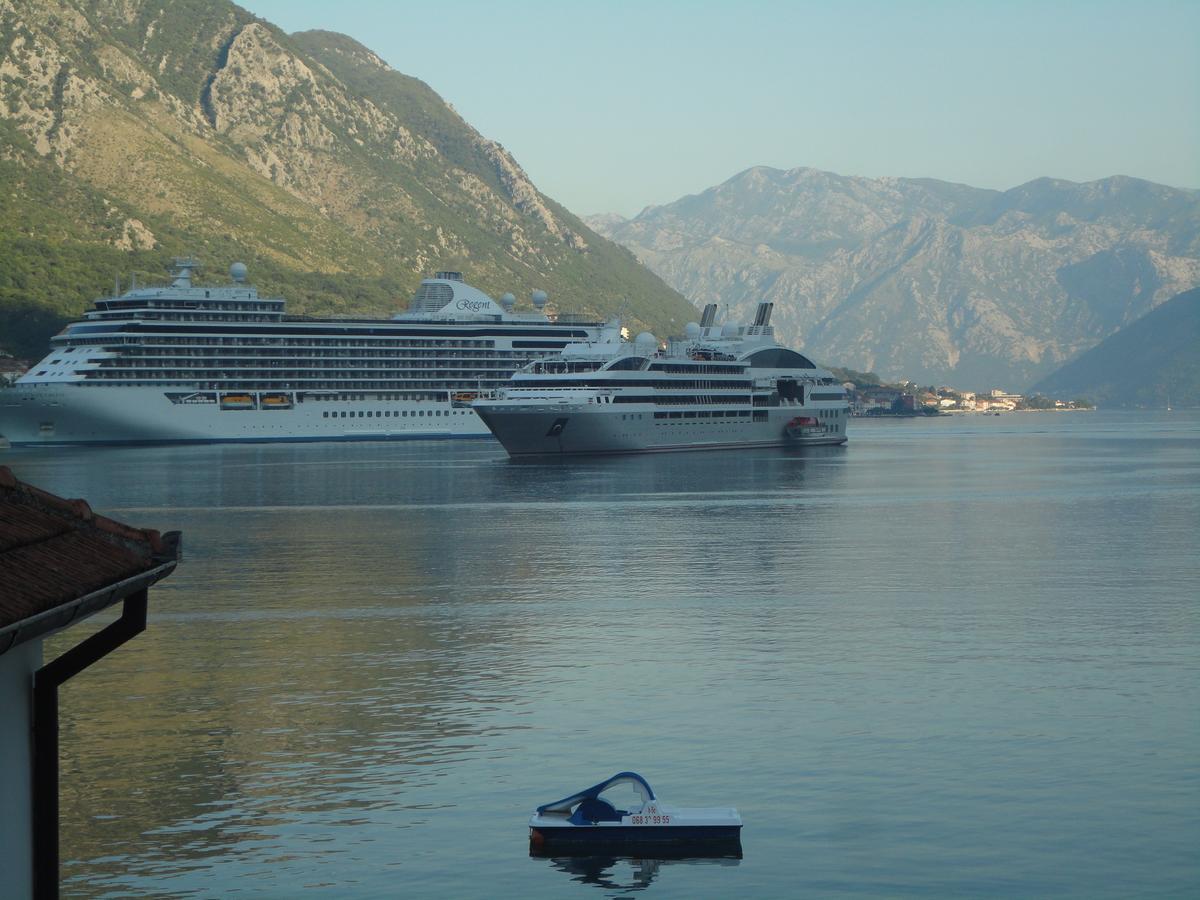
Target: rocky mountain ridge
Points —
{"points": [[131, 131], [924, 279]]}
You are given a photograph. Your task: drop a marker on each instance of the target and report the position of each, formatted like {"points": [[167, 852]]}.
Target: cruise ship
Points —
{"points": [[719, 387], [190, 363]]}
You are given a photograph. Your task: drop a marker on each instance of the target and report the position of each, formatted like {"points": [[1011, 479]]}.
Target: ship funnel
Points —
{"points": [[182, 277], [762, 318], [709, 315]]}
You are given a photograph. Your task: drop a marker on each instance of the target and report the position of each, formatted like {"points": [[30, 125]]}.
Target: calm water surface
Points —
{"points": [[956, 658]]}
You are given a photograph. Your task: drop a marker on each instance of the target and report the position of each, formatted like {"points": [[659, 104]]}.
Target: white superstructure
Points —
{"points": [[190, 363], [719, 387]]}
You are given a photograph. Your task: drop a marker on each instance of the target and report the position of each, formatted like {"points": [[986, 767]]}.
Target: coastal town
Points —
{"points": [[910, 400]]}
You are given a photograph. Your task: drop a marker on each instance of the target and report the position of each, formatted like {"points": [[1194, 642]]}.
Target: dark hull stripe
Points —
{"points": [[576, 835], [309, 439]]}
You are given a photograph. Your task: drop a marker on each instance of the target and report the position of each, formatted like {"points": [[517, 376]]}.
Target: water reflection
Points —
{"points": [[626, 874], [375, 658], [353, 625]]}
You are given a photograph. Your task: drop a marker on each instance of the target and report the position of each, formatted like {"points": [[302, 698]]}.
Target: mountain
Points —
{"points": [[923, 279], [133, 131], [1154, 360]]}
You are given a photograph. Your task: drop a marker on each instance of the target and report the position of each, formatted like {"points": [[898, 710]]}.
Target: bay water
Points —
{"points": [[958, 657]]}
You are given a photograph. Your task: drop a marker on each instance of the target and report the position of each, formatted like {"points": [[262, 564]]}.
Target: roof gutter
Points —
{"points": [[80, 608], [46, 681]]}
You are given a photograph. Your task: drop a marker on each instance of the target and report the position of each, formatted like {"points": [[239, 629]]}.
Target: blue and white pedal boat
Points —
{"points": [[586, 820]]}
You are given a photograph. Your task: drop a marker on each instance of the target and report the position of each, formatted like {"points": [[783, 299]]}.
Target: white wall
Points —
{"points": [[16, 777]]}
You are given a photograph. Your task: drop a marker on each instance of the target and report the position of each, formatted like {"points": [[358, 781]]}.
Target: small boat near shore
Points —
{"points": [[587, 822]]}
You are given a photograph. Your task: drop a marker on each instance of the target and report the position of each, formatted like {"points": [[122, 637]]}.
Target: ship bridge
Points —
{"points": [[183, 301], [446, 296]]}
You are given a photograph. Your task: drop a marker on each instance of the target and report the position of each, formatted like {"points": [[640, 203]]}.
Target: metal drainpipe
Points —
{"points": [[46, 681]]}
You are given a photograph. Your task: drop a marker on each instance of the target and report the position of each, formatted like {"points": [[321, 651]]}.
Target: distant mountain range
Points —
{"points": [[133, 131], [1151, 363], [916, 278]]}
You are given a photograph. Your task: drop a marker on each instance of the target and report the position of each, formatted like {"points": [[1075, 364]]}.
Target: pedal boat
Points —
{"points": [[587, 822]]}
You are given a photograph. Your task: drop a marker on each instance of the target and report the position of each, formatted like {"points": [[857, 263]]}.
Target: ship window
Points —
{"points": [[779, 358], [627, 363]]}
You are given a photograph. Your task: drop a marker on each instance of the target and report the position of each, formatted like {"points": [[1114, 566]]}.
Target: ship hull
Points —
{"points": [[84, 414], [618, 838], [525, 429]]}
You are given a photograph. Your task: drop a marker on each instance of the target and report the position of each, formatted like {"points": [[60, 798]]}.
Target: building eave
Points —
{"points": [[76, 610]]}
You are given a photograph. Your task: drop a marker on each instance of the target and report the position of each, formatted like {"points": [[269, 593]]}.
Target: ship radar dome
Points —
{"points": [[646, 342], [539, 299], [692, 330], [238, 272], [508, 301], [729, 330]]}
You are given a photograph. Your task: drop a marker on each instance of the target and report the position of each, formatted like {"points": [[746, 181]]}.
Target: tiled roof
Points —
{"points": [[54, 551]]}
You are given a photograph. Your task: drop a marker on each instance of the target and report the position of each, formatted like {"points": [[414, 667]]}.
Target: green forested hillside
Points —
{"points": [[133, 132]]}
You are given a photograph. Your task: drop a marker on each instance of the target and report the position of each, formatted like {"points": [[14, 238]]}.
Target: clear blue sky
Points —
{"points": [[612, 106]]}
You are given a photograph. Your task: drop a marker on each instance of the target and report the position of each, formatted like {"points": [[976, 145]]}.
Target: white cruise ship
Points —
{"points": [[192, 363], [720, 387]]}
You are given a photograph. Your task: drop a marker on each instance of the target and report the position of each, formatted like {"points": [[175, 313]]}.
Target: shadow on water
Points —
{"points": [[713, 471]]}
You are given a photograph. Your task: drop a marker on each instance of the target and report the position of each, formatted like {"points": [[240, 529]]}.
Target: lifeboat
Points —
{"points": [[803, 427], [276, 401], [587, 822], [237, 401]]}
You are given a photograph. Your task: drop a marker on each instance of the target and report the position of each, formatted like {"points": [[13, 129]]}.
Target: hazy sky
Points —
{"points": [[612, 106]]}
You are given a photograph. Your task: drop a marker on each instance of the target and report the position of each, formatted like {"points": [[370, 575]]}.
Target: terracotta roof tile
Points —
{"points": [[53, 550]]}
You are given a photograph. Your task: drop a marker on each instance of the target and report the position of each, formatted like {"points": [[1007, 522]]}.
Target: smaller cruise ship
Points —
{"points": [[718, 387]]}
